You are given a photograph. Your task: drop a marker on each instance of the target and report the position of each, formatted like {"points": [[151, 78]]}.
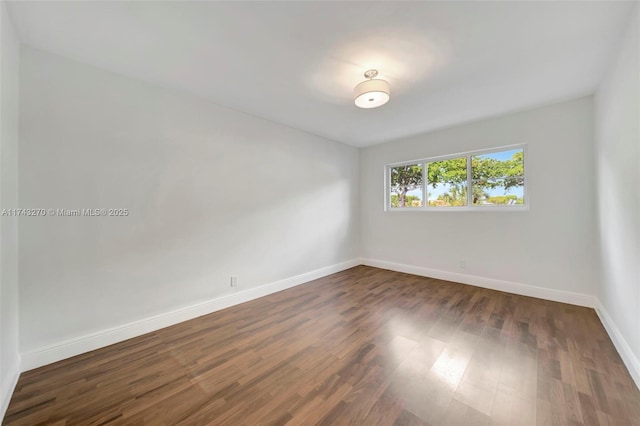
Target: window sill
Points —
{"points": [[523, 208]]}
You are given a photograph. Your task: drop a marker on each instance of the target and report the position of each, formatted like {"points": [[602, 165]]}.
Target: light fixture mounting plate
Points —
{"points": [[371, 74]]}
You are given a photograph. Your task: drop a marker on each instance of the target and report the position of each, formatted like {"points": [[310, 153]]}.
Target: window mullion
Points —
{"points": [[387, 186], [469, 182], [425, 202]]}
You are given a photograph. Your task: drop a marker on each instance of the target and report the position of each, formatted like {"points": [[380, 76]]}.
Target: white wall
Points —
{"points": [[211, 192], [617, 121], [551, 246], [9, 69]]}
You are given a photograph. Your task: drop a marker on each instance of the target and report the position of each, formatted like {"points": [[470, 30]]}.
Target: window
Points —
{"points": [[498, 178], [447, 182], [478, 180], [406, 186]]}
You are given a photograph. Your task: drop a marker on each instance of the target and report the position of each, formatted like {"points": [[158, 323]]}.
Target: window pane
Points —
{"points": [[406, 186], [447, 183], [498, 178]]}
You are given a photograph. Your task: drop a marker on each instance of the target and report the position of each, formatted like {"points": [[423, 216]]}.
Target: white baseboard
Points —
{"points": [[490, 283], [7, 389], [53, 353], [630, 359]]}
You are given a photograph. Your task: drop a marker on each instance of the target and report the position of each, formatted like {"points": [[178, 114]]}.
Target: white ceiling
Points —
{"points": [[297, 62]]}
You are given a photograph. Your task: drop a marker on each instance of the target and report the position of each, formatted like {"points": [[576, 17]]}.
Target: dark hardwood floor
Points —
{"points": [[364, 346]]}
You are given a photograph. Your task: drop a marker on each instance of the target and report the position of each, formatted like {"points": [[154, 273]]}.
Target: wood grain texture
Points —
{"points": [[364, 346]]}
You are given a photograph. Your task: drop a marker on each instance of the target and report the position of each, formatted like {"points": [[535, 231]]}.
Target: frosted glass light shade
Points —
{"points": [[371, 93]]}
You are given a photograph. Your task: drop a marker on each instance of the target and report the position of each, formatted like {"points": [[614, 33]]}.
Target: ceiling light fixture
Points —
{"points": [[371, 93]]}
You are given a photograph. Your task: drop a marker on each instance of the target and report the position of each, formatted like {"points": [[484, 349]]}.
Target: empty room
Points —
{"points": [[320, 213]]}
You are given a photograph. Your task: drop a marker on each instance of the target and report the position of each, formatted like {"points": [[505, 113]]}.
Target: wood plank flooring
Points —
{"points": [[366, 347]]}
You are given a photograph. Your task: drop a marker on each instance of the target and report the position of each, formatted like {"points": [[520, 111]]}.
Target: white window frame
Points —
{"points": [[469, 206]]}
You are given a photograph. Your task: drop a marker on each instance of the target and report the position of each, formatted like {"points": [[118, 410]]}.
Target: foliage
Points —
{"points": [[457, 196], [410, 201], [452, 172], [492, 173], [505, 199]]}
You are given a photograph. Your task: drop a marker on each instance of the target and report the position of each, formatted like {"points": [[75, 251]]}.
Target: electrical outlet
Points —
{"points": [[463, 264], [234, 281]]}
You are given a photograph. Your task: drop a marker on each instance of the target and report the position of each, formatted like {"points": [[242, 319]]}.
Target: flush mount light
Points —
{"points": [[371, 93]]}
